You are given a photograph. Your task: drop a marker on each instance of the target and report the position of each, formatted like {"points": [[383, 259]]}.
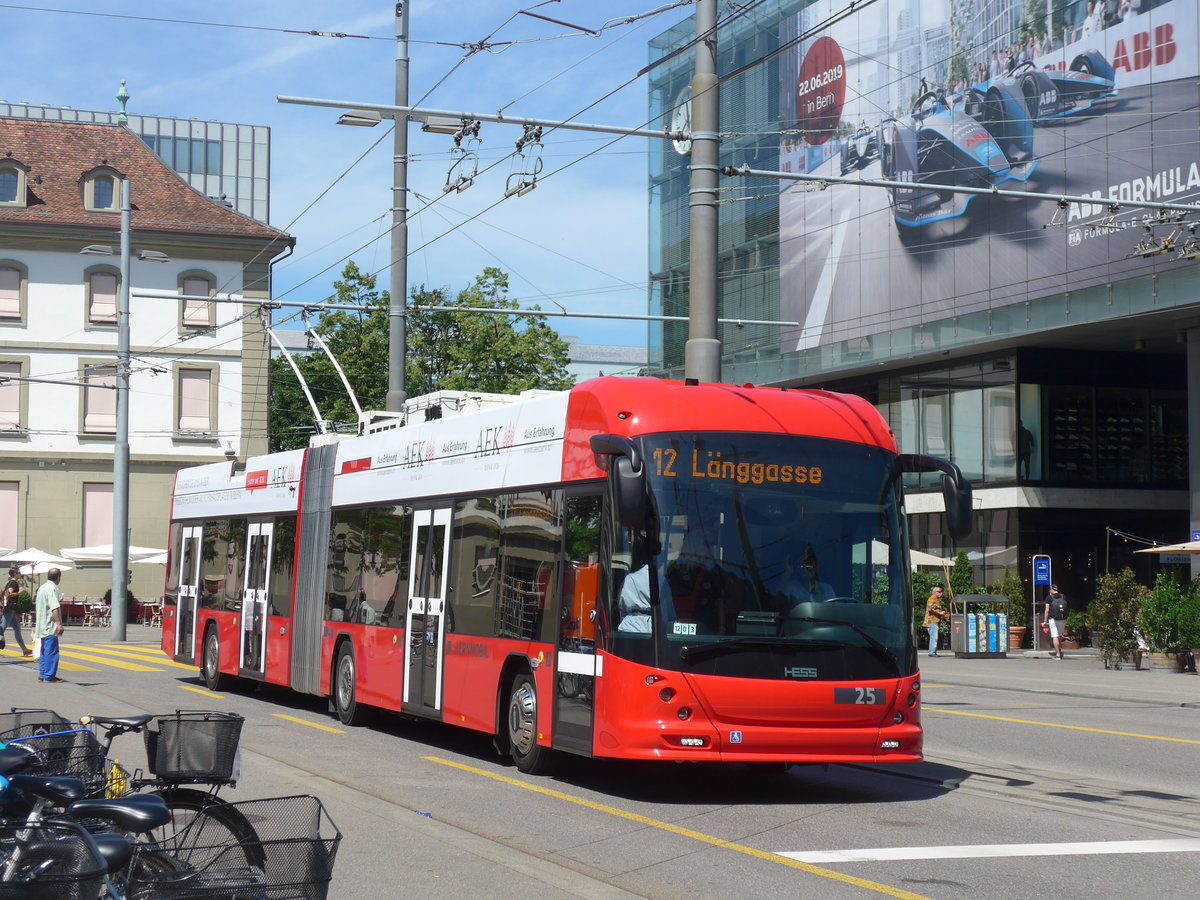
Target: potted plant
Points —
{"points": [[1115, 618], [1189, 622], [1012, 588], [1077, 629], [1160, 623]]}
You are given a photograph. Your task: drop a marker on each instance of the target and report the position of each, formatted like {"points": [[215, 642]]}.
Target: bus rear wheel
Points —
{"points": [[345, 695], [529, 757], [210, 663]]}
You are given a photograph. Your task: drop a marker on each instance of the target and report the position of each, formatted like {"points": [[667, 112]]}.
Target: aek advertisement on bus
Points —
{"points": [[1088, 100]]}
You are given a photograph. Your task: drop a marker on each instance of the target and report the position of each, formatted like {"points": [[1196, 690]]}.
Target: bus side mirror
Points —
{"points": [[622, 459], [956, 490], [959, 516]]}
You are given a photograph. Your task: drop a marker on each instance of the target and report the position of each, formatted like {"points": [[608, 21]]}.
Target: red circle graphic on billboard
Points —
{"points": [[821, 90]]}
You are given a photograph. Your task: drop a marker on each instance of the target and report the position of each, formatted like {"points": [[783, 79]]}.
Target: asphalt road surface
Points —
{"points": [[1035, 785]]}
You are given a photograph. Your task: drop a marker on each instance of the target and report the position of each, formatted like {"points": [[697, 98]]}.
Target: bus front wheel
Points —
{"points": [[528, 755], [345, 696]]}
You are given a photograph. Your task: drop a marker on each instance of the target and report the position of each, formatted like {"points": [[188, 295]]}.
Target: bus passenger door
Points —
{"points": [[577, 673], [424, 647], [189, 592], [254, 598]]}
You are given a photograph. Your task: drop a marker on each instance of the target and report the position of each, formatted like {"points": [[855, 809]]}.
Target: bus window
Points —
{"points": [[282, 566], [530, 542], [385, 567], [344, 579], [475, 555]]}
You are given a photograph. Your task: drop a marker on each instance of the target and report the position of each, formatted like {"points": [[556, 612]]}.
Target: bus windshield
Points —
{"points": [[766, 556]]}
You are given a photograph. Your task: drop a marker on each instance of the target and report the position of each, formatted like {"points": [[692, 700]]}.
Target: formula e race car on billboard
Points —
{"points": [[1054, 93], [974, 139], [859, 148]]}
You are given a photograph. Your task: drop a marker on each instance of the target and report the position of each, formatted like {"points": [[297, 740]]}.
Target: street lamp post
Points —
{"points": [[120, 543], [119, 604]]}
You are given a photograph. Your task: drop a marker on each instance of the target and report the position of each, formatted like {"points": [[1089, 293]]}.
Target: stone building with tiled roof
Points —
{"points": [[198, 373]]}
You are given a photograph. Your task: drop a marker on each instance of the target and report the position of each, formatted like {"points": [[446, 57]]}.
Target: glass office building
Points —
{"points": [[1044, 346]]}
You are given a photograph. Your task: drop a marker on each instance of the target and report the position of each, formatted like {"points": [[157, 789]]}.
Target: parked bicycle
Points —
{"points": [[297, 848], [191, 755]]}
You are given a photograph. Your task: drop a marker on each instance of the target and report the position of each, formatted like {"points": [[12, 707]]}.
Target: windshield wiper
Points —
{"points": [[700, 651], [875, 645]]}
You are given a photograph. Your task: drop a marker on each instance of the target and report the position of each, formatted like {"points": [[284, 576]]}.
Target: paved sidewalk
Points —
{"points": [[1081, 674]]}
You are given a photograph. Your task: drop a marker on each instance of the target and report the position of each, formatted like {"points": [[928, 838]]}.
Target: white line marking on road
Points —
{"points": [[982, 851]]}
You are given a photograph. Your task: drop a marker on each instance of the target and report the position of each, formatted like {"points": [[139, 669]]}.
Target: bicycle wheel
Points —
{"points": [[203, 828]]}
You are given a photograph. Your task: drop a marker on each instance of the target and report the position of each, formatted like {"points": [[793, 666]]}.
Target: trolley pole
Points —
{"points": [[398, 273], [702, 353]]}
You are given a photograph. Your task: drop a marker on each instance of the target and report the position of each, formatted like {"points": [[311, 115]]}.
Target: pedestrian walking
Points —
{"points": [[934, 613], [48, 625], [8, 611], [1055, 617]]}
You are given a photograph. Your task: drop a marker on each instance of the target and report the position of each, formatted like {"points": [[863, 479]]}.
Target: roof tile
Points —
{"points": [[63, 152]]}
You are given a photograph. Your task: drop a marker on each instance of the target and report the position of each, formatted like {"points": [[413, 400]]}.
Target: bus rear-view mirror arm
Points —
{"points": [[956, 490], [622, 459]]}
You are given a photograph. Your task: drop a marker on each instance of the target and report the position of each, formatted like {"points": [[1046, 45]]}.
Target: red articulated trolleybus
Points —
{"points": [[634, 569]]}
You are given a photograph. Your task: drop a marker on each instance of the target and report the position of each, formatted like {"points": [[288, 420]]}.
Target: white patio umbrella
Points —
{"points": [[104, 553], [1185, 547], [921, 558], [42, 568], [32, 556], [159, 558]]}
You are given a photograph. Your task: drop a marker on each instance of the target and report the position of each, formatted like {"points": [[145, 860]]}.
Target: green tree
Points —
{"points": [[1115, 613], [1011, 587], [445, 351], [962, 575]]}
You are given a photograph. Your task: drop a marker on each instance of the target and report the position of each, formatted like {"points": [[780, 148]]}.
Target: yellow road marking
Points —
{"points": [[74, 667], [309, 724], [109, 661], [196, 690], [689, 833], [1132, 734], [157, 657]]}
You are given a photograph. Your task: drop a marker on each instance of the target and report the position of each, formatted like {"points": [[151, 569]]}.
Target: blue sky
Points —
{"points": [[578, 239]]}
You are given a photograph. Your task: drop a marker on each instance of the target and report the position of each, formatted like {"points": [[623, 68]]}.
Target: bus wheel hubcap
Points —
{"points": [[522, 718]]}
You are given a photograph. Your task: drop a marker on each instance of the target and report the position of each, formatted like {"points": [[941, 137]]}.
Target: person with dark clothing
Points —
{"points": [[8, 611], [1055, 617]]}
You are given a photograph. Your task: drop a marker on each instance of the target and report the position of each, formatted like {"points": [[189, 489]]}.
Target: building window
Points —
{"points": [[97, 514], [100, 399], [101, 191], [8, 185], [194, 389], [102, 297], [197, 313], [10, 507], [10, 396], [12, 290], [12, 184]]}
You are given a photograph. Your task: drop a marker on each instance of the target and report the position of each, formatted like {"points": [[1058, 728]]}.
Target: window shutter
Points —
{"points": [[194, 396]]}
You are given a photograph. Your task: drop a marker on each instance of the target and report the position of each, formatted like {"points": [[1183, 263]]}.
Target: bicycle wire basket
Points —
{"points": [[61, 747], [193, 745], [292, 859], [49, 861]]}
